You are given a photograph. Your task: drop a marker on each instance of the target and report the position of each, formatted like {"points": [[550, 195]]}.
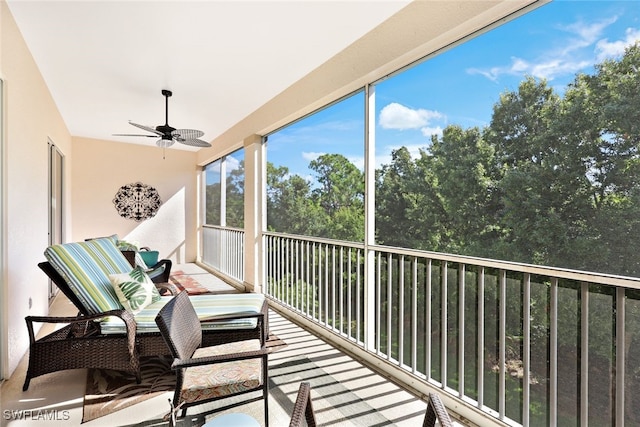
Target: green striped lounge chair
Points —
{"points": [[114, 329]]}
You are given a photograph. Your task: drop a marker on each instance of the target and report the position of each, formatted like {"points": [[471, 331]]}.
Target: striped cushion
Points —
{"points": [[86, 266], [205, 306]]}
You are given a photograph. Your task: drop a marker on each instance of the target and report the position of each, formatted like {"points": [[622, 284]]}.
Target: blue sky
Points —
{"points": [[460, 86]]}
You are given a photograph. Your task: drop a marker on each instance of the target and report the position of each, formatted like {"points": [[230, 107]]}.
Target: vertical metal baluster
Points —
{"points": [[326, 285], [315, 284], [359, 338], [414, 315], [320, 282], [304, 277], [290, 261], [379, 299], [349, 300], [526, 357], [281, 265], [584, 354], [553, 354], [502, 337], [341, 290], [427, 327], [278, 267], [401, 312], [443, 322], [296, 278], [481, 283], [620, 355], [334, 292], [389, 302], [309, 278], [267, 265], [461, 300]]}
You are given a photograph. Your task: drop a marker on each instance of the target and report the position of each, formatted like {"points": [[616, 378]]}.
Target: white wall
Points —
{"points": [[31, 118], [100, 168]]}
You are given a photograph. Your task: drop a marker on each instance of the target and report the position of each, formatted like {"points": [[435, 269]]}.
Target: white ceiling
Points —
{"points": [[106, 62]]}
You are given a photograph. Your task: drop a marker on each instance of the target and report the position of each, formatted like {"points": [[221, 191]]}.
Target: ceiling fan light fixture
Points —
{"points": [[164, 143]]}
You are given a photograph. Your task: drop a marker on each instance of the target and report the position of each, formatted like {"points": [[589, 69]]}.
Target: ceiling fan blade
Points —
{"points": [[182, 134], [194, 142], [134, 134], [164, 143], [147, 128]]}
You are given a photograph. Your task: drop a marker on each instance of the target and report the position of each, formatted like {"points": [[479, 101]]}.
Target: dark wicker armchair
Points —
{"points": [[436, 412], [82, 342], [205, 374]]}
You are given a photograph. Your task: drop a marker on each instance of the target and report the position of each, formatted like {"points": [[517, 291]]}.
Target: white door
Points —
{"points": [[56, 169]]}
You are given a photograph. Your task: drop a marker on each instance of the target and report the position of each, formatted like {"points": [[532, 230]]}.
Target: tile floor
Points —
{"points": [[344, 393]]}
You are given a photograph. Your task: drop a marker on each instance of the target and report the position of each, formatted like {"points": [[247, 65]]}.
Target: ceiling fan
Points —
{"points": [[169, 135]]}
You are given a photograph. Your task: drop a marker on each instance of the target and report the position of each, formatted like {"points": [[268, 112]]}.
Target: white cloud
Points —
{"points": [[556, 67], [606, 49], [232, 163], [310, 156], [549, 69], [429, 131], [583, 48], [397, 116], [587, 34]]}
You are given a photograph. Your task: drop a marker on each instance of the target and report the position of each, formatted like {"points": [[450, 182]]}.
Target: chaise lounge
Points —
{"points": [[107, 335]]}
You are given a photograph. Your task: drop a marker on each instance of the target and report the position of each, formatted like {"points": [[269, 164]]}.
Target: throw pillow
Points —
{"points": [[134, 289]]}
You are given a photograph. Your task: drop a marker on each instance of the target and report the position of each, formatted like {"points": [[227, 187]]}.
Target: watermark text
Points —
{"points": [[36, 414]]}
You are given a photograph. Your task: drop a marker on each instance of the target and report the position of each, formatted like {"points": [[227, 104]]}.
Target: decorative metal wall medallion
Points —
{"points": [[137, 201]]}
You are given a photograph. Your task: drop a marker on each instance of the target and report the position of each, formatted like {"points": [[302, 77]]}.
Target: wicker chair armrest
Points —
{"points": [[164, 265], [79, 318], [167, 289], [303, 408], [127, 318], [221, 358]]}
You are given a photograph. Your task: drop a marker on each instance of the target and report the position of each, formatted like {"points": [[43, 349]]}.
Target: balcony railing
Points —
{"points": [[518, 344], [507, 343], [223, 249]]}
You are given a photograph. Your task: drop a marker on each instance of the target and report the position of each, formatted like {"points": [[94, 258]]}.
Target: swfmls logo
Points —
{"points": [[36, 415]]}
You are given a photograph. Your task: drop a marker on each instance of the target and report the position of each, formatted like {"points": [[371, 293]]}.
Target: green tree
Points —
{"points": [[290, 208], [464, 166], [600, 117], [405, 202], [341, 196], [235, 197]]}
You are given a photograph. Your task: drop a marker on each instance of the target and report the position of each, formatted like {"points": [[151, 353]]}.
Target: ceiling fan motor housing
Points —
{"points": [[165, 129]]}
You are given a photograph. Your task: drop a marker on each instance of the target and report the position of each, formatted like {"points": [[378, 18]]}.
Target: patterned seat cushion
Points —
{"points": [[222, 379], [205, 306], [86, 267]]}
